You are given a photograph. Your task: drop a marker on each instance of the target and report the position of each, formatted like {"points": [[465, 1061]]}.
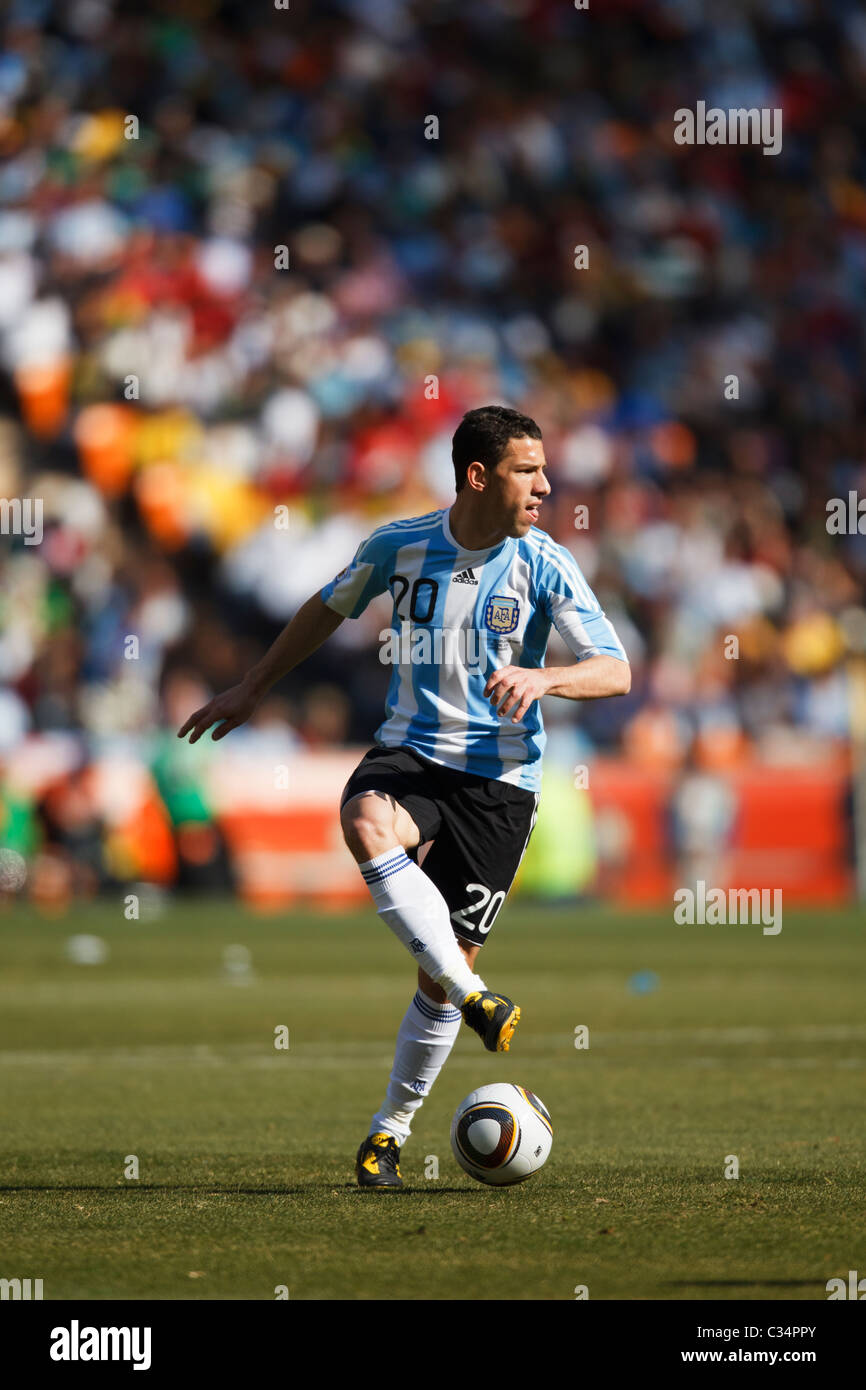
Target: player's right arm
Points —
{"points": [[345, 597], [307, 630]]}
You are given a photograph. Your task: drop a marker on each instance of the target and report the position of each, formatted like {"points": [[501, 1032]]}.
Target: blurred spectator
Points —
{"points": [[244, 301]]}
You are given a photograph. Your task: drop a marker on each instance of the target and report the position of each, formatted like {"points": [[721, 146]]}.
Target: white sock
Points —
{"points": [[426, 1036], [417, 914]]}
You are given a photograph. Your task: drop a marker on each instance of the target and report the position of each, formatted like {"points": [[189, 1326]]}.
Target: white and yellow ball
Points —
{"points": [[501, 1134]]}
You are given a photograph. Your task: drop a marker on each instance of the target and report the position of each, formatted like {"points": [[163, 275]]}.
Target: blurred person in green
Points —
{"points": [[561, 861], [180, 774]]}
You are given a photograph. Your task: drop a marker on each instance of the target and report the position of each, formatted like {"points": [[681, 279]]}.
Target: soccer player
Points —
{"points": [[439, 813]]}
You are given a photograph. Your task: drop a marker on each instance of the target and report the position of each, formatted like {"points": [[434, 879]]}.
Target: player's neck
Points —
{"points": [[470, 530]]}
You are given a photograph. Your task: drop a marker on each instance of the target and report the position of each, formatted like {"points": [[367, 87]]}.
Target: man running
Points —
{"points": [[456, 768]]}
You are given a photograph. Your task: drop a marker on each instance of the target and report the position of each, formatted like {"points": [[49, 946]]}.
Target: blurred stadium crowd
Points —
{"points": [[164, 387]]}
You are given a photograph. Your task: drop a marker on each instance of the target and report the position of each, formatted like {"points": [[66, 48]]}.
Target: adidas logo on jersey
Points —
{"points": [[465, 577]]}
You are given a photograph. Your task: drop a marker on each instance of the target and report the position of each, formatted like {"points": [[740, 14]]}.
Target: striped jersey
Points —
{"points": [[457, 616]]}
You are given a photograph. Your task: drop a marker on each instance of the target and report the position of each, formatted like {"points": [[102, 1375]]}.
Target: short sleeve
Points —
{"points": [[353, 588], [574, 609]]}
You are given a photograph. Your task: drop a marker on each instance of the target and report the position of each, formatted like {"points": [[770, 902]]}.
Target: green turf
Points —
{"points": [[750, 1045]]}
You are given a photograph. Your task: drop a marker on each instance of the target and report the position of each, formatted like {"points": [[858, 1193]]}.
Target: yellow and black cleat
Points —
{"points": [[493, 1017], [378, 1162]]}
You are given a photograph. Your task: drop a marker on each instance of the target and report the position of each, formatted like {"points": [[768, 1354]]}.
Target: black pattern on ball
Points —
{"points": [[509, 1135]]}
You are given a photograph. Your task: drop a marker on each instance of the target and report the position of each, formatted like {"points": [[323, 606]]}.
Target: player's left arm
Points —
{"points": [[590, 679], [601, 668]]}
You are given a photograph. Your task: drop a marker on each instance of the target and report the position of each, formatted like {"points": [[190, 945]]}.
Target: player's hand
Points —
{"points": [[230, 709], [515, 688]]}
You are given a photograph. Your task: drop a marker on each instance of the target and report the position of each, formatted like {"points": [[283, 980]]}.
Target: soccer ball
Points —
{"points": [[501, 1134]]}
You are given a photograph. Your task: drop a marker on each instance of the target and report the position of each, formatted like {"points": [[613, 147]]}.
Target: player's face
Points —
{"points": [[519, 485]]}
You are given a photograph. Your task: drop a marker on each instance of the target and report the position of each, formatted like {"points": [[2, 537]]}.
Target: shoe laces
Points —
{"points": [[388, 1152]]}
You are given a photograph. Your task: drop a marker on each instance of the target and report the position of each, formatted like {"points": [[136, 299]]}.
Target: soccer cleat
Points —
{"points": [[493, 1017], [378, 1162]]}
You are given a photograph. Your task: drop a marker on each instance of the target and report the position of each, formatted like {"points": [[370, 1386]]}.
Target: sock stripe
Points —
{"points": [[444, 1014], [393, 856], [380, 871]]}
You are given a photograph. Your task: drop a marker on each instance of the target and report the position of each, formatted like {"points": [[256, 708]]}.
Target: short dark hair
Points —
{"points": [[483, 436]]}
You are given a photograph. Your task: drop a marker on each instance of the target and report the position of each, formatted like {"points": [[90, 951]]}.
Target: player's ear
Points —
{"points": [[476, 476]]}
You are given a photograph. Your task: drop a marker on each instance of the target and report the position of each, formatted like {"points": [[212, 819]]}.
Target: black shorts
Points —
{"points": [[480, 828]]}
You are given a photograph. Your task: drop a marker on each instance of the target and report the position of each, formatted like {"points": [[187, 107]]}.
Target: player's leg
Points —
{"points": [[486, 826], [375, 825], [373, 822], [431, 1023], [426, 1036], [378, 830], [430, 988]]}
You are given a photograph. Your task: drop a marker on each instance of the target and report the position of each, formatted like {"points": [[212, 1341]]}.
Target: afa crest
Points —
{"points": [[501, 614]]}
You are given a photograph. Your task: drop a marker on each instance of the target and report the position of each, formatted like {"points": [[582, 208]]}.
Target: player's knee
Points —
{"points": [[368, 826]]}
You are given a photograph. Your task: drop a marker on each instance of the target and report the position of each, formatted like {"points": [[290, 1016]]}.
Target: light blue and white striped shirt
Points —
{"points": [[458, 615]]}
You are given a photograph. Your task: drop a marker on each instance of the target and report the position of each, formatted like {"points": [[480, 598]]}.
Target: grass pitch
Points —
{"points": [[742, 1045]]}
